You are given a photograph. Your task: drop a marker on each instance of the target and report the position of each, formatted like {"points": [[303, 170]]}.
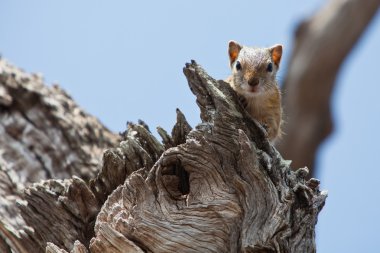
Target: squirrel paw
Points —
{"points": [[243, 101], [266, 128]]}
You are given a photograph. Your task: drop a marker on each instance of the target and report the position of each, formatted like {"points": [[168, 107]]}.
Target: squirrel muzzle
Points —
{"points": [[254, 81]]}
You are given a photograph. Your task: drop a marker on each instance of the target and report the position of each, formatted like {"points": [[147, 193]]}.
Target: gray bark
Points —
{"points": [[43, 135], [220, 187]]}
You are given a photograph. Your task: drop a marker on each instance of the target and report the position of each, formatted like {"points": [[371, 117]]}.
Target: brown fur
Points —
{"points": [[263, 101]]}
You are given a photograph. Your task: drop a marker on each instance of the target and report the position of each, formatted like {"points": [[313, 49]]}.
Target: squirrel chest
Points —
{"points": [[254, 79]]}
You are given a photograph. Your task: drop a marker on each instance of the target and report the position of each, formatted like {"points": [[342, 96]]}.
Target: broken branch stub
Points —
{"points": [[58, 212], [220, 187], [241, 195]]}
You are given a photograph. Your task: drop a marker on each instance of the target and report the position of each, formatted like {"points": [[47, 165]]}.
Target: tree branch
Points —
{"points": [[321, 44]]}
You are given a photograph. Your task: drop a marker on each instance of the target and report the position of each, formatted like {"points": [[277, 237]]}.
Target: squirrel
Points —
{"points": [[254, 80]]}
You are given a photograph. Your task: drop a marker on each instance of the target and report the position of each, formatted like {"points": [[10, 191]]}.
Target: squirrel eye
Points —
{"points": [[270, 67], [238, 65]]}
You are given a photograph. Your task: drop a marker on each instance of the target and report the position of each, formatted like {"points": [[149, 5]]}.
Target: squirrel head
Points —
{"points": [[254, 69]]}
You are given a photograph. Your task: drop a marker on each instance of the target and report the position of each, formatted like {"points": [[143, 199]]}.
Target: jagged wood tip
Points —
{"points": [[220, 187]]}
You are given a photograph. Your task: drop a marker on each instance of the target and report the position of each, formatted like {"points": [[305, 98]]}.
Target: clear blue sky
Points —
{"points": [[122, 60]]}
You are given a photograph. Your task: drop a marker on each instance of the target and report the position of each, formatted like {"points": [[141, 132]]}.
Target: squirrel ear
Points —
{"points": [[276, 52], [233, 50]]}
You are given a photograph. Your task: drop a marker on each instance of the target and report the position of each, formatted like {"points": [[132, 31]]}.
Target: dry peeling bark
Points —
{"points": [[220, 187], [43, 135]]}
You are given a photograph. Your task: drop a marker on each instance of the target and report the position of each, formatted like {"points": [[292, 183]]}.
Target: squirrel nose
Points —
{"points": [[253, 81]]}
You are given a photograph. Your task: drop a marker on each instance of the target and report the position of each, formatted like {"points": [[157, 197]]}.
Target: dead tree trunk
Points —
{"points": [[220, 187]]}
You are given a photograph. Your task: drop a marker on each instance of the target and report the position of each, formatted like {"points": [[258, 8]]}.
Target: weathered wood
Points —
{"points": [[59, 211], [322, 43], [43, 135], [242, 196], [54, 210], [220, 187], [78, 248]]}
